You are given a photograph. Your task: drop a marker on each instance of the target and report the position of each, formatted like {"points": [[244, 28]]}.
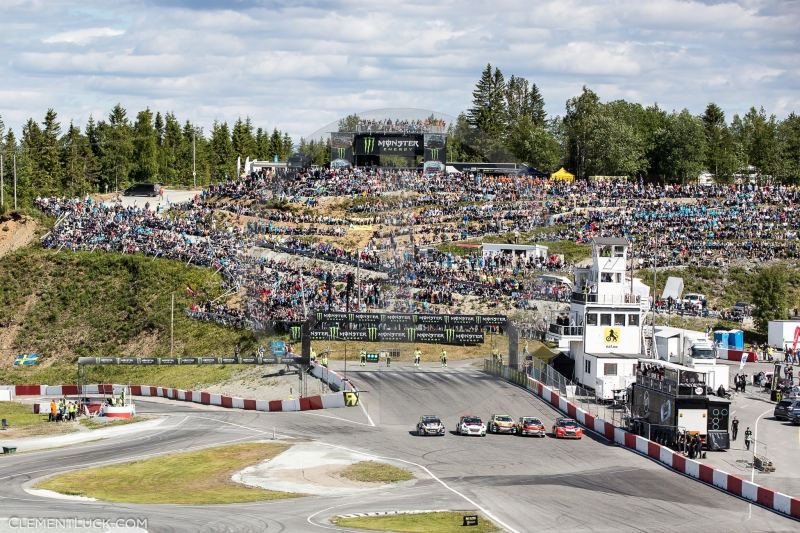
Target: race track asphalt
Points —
{"points": [[526, 484]]}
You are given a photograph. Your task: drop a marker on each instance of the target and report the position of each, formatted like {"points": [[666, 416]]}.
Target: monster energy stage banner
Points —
{"points": [[435, 149], [410, 319], [410, 334], [409, 145], [342, 146]]}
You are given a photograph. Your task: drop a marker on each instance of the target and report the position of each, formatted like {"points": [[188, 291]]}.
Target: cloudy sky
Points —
{"points": [[299, 65]]}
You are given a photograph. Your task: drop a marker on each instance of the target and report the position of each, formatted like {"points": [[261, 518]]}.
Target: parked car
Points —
{"points": [[741, 309], [501, 424], [430, 425], [530, 425], [471, 425], [143, 189], [783, 408], [567, 428], [694, 300]]}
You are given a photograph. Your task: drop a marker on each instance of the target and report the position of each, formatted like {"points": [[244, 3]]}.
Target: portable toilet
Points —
{"points": [[721, 338], [736, 339]]}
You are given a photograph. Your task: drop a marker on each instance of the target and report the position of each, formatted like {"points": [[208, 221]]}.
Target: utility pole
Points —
{"points": [[15, 181], [194, 168], [172, 326], [2, 184]]}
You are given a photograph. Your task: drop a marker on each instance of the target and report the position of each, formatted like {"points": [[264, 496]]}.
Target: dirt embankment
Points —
{"points": [[16, 231]]}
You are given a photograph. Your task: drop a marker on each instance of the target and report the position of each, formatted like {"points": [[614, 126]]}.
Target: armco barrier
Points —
{"points": [[769, 498], [331, 377], [309, 403]]}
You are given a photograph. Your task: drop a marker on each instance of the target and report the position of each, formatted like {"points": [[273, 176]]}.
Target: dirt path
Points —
{"points": [[16, 231]]}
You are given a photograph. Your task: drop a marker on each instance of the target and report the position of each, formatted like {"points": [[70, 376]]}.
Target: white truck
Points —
{"points": [[782, 332], [691, 348]]}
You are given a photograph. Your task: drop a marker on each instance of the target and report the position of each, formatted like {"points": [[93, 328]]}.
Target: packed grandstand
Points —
{"points": [[414, 239]]}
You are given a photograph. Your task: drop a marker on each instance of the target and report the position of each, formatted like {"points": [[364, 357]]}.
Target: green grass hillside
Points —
{"points": [[65, 305]]}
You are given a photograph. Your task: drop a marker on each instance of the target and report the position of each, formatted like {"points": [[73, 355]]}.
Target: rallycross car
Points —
{"points": [[501, 424], [430, 425], [567, 428], [530, 425], [471, 425]]}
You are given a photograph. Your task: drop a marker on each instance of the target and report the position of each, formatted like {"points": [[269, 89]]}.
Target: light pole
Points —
{"points": [[15, 181], [194, 168], [2, 196]]}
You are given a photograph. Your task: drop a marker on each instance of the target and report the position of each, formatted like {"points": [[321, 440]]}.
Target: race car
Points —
{"points": [[567, 428], [501, 424], [430, 425], [471, 425], [530, 425]]}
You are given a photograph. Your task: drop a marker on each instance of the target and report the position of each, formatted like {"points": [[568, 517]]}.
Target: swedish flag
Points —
{"points": [[26, 359]]}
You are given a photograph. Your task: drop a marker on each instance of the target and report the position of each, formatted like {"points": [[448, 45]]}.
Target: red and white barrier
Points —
{"points": [[309, 403], [763, 496], [729, 354]]}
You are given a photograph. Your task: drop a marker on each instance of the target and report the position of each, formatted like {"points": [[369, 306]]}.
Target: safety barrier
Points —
{"points": [[766, 497], [308, 403]]}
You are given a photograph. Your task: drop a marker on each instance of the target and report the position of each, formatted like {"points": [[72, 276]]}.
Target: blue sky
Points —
{"points": [[300, 65]]}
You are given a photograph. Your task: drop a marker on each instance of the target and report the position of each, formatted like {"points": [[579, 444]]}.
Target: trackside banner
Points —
{"points": [[243, 360], [409, 334], [411, 319]]}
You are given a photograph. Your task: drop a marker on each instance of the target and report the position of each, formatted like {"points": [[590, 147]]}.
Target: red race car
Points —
{"points": [[530, 425], [567, 428]]}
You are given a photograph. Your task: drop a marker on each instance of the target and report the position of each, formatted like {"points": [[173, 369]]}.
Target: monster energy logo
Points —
{"points": [[449, 334], [334, 331], [434, 153], [411, 334], [369, 144], [372, 333], [341, 152], [351, 317], [446, 319], [295, 332], [319, 316]]}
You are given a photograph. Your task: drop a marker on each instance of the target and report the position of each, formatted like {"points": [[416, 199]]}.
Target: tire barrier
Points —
{"points": [[752, 492], [309, 403]]}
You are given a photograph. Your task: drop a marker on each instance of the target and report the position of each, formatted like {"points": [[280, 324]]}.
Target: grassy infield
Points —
{"points": [[204, 477]]}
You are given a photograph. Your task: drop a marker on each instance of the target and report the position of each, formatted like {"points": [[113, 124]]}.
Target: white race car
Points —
{"points": [[471, 425]]}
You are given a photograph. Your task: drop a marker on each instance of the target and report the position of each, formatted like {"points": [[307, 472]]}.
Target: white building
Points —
{"points": [[606, 313], [528, 251]]}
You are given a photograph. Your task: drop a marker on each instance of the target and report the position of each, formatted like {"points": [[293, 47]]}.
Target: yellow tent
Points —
{"points": [[562, 174]]}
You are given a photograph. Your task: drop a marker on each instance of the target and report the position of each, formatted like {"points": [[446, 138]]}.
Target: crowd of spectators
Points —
{"points": [[387, 125]]}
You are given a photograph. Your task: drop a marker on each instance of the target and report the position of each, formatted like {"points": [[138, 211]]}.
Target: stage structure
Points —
{"points": [[380, 149]]}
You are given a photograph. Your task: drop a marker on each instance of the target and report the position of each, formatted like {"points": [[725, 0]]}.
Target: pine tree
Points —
{"points": [[222, 157], [535, 107], [287, 147], [145, 148], [169, 169], [115, 149], [275, 144], [262, 144], [479, 114]]}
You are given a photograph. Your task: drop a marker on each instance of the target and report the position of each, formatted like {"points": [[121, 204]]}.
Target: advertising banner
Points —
{"points": [[400, 145], [342, 146], [435, 148], [412, 319]]}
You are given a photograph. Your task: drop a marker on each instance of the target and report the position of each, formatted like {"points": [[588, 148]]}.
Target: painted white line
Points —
{"points": [[337, 418], [753, 468], [323, 526], [364, 409], [433, 476], [244, 427]]}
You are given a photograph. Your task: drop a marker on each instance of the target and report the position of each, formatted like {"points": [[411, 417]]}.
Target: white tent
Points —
{"points": [[449, 169], [673, 287]]}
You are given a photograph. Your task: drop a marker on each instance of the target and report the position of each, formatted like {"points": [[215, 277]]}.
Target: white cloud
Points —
{"points": [[298, 67], [83, 36]]}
